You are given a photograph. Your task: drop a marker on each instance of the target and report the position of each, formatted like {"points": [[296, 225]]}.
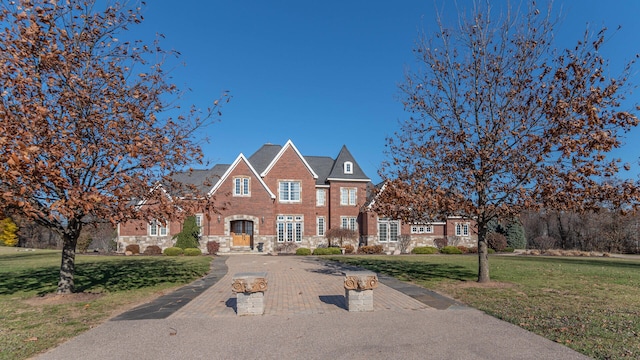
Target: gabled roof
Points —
{"points": [[229, 170], [286, 146], [264, 156], [337, 172]]}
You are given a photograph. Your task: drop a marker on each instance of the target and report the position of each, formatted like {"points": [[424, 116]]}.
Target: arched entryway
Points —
{"points": [[242, 233]]}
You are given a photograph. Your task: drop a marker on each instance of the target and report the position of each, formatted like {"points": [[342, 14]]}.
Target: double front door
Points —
{"points": [[242, 233]]}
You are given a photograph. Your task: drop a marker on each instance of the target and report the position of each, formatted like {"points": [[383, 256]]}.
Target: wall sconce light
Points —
{"points": [[218, 219], [263, 219]]}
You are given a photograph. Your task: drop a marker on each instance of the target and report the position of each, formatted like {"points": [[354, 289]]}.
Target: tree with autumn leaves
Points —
{"points": [[85, 125], [502, 121]]}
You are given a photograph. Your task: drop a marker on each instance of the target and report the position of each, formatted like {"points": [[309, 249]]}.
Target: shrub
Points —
{"points": [[303, 251], [370, 249], [463, 249], [173, 251], [450, 250], [496, 241], [440, 243], [327, 251], [490, 251], [153, 250], [509, 249], [192, 252], [425, 250], [9, 232], [134, 248], [349, 249], [473, 250], [188, 237], [213, 247]]}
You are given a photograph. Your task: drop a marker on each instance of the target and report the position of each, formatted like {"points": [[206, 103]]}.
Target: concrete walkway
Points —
{"points": [[305, 318]]}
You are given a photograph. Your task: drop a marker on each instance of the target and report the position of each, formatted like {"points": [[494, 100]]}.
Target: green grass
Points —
{"points": [[589, 304], [29, 327]]}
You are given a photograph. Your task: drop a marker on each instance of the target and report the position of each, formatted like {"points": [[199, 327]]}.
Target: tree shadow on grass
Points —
{"points": [[410, 270], [116, 275]]}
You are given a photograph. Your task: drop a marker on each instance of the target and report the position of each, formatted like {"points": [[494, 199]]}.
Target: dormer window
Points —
{"points": [[348, 167]]}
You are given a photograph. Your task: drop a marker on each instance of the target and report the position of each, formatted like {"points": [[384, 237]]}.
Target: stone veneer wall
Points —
{"points": [[144, 241], [270, 242], [418, 241]]}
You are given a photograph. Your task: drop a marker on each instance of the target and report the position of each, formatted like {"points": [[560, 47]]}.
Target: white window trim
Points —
{"points": [[462, 229], [200, 219], [290, 182], [350, 200], [297, 223], [160, 230], [348, 167], [350, 220], [387, 223], [323, 197], [320, 219], [245, 189], [422, 229]]}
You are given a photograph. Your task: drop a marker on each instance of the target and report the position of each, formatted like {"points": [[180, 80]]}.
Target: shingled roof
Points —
{"points": [[263, 157], [337, 172], [325, 167], [203, 179]]}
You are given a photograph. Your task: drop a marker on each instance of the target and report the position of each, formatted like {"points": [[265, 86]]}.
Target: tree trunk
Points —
{"points": [[68, 264], [483, 255]]}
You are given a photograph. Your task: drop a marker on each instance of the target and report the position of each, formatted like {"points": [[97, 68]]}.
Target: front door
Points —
{"points": [[242, 233]]}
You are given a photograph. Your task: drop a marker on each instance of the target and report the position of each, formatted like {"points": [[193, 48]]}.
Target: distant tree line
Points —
{"points": [[606, 231], [30, 234]]}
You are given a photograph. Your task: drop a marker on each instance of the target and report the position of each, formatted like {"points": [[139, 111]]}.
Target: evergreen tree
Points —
{"points": [[494, 226], [188, 237], [515, 235]]}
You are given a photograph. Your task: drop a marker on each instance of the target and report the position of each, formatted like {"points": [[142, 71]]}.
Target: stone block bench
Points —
{"points": [[249, 289], [358, 290]]}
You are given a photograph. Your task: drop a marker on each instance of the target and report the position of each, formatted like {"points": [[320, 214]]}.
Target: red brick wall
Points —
{"points": [[337, 210], [259, 204], [291, 167]]}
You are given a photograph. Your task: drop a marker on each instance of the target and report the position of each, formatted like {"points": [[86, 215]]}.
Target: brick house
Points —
{"points": [[278, 196]]}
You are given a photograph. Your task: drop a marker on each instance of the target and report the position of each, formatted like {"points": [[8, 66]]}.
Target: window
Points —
{"points": [[241, 186], [348, 167], [422, 229], [348, 196], [462, 229], [349, 222], [321, 197], [290, 191], [320, 221], [289, 228], [388, 230], [156, 229], [199, 222]]}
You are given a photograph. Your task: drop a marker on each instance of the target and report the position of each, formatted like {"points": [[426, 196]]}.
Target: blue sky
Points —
{"points": [[325, 73]]}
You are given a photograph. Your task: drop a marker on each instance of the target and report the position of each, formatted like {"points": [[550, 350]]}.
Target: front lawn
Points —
{"points": [[33, 320], [588, 304]]}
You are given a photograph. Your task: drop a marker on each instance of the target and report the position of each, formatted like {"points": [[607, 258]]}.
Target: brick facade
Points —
{"points": [[273, 220]]}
